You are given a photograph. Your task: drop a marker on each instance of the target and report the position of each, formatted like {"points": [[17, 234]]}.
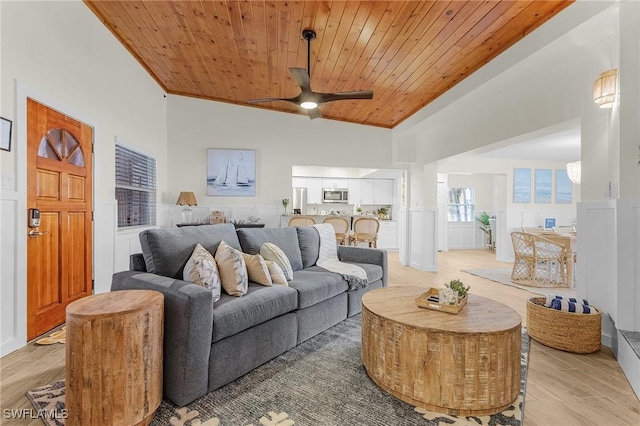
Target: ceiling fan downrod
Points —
{"points": [[308, 35]]}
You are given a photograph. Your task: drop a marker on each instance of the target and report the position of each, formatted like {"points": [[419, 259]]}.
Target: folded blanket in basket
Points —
{"points": [[551, 298], [578, 308]]}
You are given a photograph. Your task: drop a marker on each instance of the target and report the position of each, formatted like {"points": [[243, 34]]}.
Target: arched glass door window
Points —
{"points": [[61, 145]]}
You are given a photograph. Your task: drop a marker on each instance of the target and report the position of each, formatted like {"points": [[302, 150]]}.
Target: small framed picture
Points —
{"points": [[5, 134]]}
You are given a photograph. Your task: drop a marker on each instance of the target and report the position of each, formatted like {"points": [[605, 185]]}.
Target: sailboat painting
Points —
{"points": [[231, 172]]}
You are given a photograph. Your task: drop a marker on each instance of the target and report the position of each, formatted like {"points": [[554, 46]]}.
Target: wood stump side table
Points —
{"points": [[464, 364], [114, 358]]}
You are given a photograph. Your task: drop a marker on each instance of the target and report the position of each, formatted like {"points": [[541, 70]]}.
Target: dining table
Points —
{"points": [[567, 239]]}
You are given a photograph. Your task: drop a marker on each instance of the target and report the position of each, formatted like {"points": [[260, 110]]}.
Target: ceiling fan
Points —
{"points": [[308, 99]]}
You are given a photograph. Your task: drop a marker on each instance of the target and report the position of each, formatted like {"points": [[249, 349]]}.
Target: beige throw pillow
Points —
{"points": [[257, 269], [233, 271], [277, 275], [201, 269], [274, 253]]}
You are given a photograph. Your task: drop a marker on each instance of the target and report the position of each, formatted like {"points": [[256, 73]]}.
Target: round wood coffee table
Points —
{"points": [[114, 358], [460, 364]]}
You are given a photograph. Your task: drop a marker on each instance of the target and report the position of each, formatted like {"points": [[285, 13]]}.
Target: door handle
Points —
{"points": [[33, 234]]}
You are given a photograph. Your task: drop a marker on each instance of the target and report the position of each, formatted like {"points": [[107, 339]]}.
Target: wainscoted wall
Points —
{"points": [[465, 235], [608, 272], [10, 328]]}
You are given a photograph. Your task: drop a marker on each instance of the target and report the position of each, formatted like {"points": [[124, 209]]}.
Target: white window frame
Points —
{"points": [[137, 182], [467, 205]]}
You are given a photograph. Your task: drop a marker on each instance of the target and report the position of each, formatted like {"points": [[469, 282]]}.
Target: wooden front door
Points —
{"points": [[59, 185]]}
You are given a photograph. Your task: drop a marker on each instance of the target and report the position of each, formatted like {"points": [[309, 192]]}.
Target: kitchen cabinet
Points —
{"points": [[376, 191], [366, 191], [382, 191], [354, 191], [335, 183], [314, 190], [388, 235], [298, 182]]}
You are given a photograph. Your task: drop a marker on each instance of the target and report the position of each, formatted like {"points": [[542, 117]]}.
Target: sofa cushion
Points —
{"points": [[275, 254], [201, 269], [309, 245], [166, 251], [233, 270], [374, 272], [257, 269], [232, 315], [315, 285], [251, 239], [277, 274]]}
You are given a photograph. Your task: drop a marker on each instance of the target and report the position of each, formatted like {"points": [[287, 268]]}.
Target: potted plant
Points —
{"points": [[484, 219], [382, 213], [285, 203], [453, 292]]}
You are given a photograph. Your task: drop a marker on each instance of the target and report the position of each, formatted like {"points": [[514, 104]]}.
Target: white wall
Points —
{"points": [[281, 141], [60, 54]]}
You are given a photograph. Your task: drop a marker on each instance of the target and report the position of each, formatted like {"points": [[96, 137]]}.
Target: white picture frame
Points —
{"points": [[231, 172], [5, 134]]}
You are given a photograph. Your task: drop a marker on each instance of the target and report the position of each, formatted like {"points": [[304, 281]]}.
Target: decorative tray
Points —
{"points": [[429, 300]]}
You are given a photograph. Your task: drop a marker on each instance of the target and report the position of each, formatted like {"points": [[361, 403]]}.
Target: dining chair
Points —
{"points": [[365, 229], [299, 220], [539, 262], [341, 226]]}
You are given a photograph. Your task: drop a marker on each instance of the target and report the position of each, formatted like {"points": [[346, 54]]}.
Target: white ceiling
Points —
{"points": [[561, 146]]}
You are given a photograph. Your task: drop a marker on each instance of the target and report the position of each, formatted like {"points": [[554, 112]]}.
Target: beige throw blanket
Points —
{"points": [[355, 276]]}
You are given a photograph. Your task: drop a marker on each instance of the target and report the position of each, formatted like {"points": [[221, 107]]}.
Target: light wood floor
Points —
{"points": [[562, 388]]}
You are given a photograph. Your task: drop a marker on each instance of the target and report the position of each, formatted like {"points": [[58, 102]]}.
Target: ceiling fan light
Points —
{"points": [[309, 105]]}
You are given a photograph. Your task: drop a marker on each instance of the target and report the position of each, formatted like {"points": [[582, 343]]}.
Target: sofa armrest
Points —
{"points": [[365, 255], [188, 327], [136, 263]]}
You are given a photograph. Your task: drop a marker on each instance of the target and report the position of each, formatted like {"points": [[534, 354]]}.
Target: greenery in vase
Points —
{"points": [[285, 203], [458, 287], [486, 225]]}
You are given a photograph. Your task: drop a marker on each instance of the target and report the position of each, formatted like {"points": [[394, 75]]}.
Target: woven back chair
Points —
{"points": [[302, 221], [341, 226], [365, 229], [539, 262]]}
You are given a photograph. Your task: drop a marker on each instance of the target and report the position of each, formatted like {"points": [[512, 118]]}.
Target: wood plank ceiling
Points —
{"points": [[407, 52]]}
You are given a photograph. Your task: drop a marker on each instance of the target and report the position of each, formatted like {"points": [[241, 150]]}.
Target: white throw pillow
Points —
{"points": [[277, 275], [257, 269], [274, 253], [201, 269], [233, 271]]}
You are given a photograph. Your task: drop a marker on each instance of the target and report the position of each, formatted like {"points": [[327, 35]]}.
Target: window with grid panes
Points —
{"points": [[135, 188], [460, 206]]}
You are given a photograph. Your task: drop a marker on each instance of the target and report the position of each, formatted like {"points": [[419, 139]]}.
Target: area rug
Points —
{"points": [[59, 336], [503, 276], [319, 382]]}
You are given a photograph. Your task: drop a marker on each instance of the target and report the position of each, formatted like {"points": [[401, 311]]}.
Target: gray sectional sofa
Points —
{"points": [[205, 346]]}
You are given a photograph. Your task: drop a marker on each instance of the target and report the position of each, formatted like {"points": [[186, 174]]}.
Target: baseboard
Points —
{"points": [[629, 360]]}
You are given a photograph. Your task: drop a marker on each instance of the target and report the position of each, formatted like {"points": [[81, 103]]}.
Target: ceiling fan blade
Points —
{"points": [[358, 94], [314, 113], [301, 76], [257, 101]]}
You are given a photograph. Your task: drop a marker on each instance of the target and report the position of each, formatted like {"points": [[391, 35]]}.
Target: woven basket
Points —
{"points": [[567, 331]]}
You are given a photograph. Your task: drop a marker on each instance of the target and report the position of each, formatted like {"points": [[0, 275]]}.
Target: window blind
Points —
{"points": [[135, 188]]}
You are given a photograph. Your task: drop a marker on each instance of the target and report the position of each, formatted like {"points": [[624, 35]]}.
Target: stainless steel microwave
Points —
{"points": [[335, 195]]}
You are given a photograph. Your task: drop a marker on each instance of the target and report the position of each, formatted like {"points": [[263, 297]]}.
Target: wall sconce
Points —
{"points": [[604, 89], [187, 199], [574, 170]]}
